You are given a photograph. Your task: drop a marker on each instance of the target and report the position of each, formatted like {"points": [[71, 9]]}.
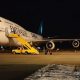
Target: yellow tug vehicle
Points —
{"points": [[26, 47]]}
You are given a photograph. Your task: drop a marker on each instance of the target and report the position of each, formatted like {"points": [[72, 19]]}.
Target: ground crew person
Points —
{"points": [[48, 52]]}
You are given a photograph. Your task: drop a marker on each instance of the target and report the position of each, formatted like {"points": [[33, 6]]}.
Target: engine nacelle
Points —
{"points": [[75, 43], [50, 45]]}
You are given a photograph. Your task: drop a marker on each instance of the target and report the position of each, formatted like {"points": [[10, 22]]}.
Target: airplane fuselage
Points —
{"points": [[5, 28]]}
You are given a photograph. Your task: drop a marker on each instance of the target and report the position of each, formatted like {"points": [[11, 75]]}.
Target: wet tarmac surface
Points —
{"points": [[19, 67], [63, 57], [56, 72]]}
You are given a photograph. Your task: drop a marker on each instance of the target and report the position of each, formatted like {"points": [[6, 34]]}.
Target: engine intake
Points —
{"points": [[50, 45], [75, 43]]}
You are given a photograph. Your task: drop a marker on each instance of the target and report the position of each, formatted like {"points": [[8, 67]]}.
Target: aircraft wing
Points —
{"points": [[50, 43]]}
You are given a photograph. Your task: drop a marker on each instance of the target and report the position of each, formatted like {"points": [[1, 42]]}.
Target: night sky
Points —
{"points": [[60, 17]]}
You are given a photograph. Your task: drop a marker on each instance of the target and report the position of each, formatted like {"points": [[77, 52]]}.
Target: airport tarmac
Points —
{"points": [[60, 57], [17, 67]]}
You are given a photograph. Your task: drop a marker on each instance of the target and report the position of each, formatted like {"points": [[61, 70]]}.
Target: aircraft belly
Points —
{"points": [[3, 39]]}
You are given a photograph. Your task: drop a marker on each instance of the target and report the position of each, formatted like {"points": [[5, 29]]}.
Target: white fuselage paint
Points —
{"points": [[6, 26]]}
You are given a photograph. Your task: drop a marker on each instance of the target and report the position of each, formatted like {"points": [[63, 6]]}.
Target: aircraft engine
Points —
{"points": [[50, 45], [75, 43]]}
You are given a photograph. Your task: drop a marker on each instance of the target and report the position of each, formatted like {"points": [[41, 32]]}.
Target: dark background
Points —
{"points": [[61, 18]]}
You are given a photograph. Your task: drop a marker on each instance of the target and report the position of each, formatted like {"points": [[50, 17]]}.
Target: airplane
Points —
{"points": [[6, 26]]}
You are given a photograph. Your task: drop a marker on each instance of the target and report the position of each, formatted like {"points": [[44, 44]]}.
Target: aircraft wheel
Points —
{"points": [[50, 53]]}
